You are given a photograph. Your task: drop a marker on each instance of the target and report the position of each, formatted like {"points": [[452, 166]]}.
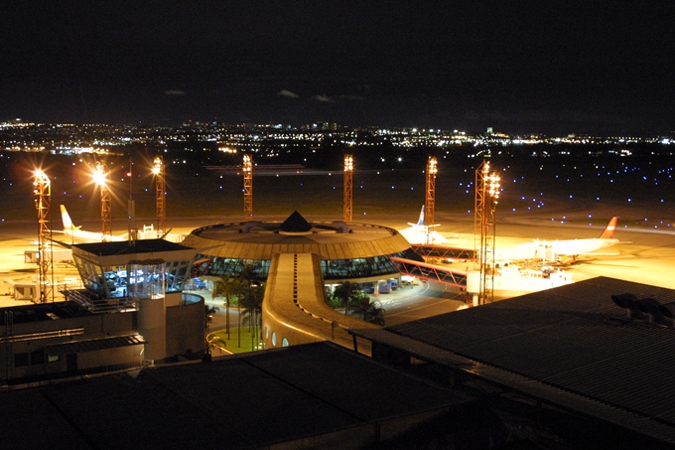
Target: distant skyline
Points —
{"points": [[556, 67]]}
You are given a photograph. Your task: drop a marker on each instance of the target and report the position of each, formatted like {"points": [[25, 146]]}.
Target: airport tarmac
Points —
{"points": [[644, 255]]}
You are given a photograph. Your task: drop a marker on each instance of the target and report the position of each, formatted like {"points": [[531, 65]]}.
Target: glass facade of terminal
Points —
{"points": [[333, 269], [120, 280]]}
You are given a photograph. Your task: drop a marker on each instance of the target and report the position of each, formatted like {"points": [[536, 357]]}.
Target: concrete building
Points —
{"points": [[580, 366], [132, 312], [301, 262]]}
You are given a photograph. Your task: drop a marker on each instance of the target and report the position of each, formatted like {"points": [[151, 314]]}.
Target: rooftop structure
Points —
{"points": [[572, 348], [312, 396], [354, 251]]}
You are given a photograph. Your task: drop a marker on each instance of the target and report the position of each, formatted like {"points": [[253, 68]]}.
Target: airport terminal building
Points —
{"points": [[354, 252], [133, 308], [301, 262]]}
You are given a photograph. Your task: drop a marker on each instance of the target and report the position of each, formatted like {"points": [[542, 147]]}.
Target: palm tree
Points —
{"points": [[344, 293], [228, 287], [361, 306], [249, 280], [252, 304], [249, 276]]}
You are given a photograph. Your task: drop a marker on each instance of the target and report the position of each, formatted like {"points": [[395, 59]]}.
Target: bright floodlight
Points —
{"points": [[99, 175], [349, 163], [493, 185], [41, 177], [157, 166], [433, 165]]}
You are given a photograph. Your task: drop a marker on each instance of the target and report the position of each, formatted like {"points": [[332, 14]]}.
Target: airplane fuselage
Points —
{"points": [[90, 236]]}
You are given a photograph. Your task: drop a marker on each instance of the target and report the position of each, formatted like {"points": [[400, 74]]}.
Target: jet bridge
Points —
{"points": [[430, 272], [444, 252]]}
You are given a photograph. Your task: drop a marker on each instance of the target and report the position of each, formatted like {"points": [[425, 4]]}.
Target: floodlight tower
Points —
{"points": [[43, 196], [486, 199], [348, 189], [430, 200], [101, 178], [248, 186], [160, 191]]}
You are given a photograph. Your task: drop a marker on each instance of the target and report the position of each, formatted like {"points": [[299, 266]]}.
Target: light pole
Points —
{"points": [[101, 179], [348, 188], [160, 191], [248, 187], [487, 198], [43, 194], [430, 199]]}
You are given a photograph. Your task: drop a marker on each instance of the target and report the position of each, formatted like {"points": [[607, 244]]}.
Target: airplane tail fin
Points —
{"points": [[608, 232], [420, 221], [65, 217]]}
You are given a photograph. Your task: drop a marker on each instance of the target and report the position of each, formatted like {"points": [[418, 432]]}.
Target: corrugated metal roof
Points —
{"points": [[93, 345], [363, 240], [573, 338]]}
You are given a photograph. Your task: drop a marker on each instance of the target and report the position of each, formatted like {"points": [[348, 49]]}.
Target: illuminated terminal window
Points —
{"points": [[332, 269]]}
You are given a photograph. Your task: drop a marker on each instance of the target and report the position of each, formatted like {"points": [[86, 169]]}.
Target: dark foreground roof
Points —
{"points": [[125, 248], [571, 346], [251, 401]]}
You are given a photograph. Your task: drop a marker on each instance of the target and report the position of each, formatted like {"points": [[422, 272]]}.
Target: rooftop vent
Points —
{"points": [[650, 306], [627, 301], [636, 308]]}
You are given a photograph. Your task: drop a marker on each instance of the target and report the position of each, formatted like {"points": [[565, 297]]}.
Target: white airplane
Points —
{"points": [[418, 233], [562, 251], [76, 234]]}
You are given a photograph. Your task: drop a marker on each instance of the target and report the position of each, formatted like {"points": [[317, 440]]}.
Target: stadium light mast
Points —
{"points": [[158, 169], [248, 186], [430, 199], [43, 195], [348, 189], [101, 179], [486, 198]]}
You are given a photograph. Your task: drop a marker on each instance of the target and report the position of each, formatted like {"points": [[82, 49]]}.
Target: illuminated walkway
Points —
{"points": [[294, 309], [431, 272], [444, 252]]}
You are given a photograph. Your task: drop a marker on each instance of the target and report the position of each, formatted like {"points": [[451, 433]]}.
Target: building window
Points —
{"points": [[284, 342], [274, 338], [53, 358], [21, 360]]}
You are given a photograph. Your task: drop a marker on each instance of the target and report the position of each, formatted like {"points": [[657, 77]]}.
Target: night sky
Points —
{"points": [[558, 66]]}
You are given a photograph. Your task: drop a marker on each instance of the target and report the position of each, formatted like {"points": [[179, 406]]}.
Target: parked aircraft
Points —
{"points": [[562, 251], [418, 233], [79, 235]]}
